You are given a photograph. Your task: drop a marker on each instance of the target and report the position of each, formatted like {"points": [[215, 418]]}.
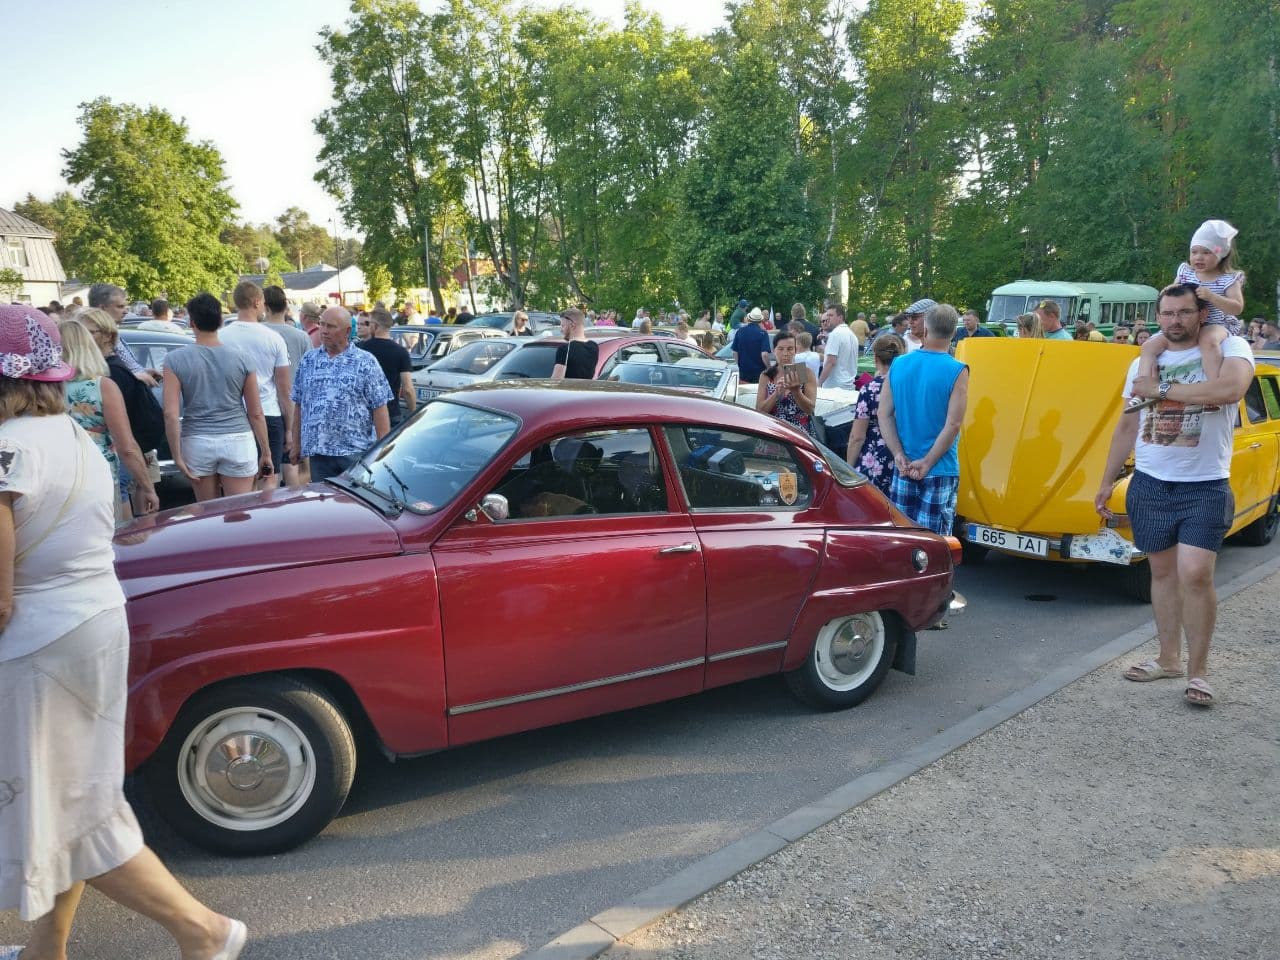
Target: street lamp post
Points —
{"points": [[337, 258]]}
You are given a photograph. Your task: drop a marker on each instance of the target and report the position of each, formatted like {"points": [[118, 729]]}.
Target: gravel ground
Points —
{"points": [[1111, 821]]}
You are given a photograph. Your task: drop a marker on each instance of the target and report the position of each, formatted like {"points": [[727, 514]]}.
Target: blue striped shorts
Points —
{"points": [[1166, 512], [931, 502]]}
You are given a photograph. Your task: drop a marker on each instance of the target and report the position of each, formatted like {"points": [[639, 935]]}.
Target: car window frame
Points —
{"points": [[673, 505], [758, 508], [1255, 385]]}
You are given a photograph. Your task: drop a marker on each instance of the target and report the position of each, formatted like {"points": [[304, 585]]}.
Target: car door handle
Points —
{"points": [[683, 548], [1256, 446]]}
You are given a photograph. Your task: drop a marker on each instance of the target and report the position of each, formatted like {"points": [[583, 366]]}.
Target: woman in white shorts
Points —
{"points": [[212, 411], [64, 657]]}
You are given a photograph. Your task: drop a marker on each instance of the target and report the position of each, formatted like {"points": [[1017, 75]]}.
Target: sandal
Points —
{"points": [[1201, 686], [236, 937], [10, 953], [1149, 670]]}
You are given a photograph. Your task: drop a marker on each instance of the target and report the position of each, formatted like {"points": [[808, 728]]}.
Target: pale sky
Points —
{"points": [[243, 73]]}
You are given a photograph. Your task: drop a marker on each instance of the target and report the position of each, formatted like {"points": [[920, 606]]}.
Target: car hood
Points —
{"points": [[247, 534], [1037, 430]]}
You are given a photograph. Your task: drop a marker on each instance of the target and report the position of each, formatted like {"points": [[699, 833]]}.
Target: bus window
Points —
{"points": [[1106, 313], [1006, 308], [1130, 311]]}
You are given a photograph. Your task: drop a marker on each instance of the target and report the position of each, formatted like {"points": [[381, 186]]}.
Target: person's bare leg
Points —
{"points": [[1199, 608], [206, 488], [1166, 604], [49, 934], [145, 886], [292, 475], [234, 485]]}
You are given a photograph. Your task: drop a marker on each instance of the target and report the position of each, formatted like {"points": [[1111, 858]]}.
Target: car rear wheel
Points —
{"points": [[1263, 530], [848, 661], [253, 767]]}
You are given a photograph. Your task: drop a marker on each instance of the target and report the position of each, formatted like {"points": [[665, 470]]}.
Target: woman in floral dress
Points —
{"points": [[867, 452], [95, 402]]}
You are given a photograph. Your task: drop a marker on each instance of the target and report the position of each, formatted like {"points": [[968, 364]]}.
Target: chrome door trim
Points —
{"points": [[747, 651], [575, 687]]}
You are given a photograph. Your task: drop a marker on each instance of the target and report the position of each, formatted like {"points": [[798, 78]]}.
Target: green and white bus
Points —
{"points": [[1105, 304]]}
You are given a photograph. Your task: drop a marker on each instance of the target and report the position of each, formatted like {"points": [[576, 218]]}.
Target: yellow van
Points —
{"points": [[1034, 445]]}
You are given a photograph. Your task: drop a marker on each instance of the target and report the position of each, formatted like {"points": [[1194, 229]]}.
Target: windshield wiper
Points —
{"points": [[352, 485], [404, 487]]}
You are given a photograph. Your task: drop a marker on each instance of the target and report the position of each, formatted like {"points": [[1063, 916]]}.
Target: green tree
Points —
{"points": [[384, 155], [156, 203], [746, 226], [304, 243], [904, 157], [10, 284], [260, 249]]}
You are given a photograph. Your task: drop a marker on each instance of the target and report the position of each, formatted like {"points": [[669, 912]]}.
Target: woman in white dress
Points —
{"points": [[64, 654]]}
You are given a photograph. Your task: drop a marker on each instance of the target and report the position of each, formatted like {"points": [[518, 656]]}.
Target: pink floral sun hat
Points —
{"points": [[30, 348]]}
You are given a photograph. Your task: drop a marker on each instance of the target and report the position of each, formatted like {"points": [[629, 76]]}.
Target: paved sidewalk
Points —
{"points": [[1111, 821]]}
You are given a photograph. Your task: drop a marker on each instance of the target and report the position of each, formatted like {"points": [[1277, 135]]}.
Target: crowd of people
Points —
{"points": [[79, 430]]}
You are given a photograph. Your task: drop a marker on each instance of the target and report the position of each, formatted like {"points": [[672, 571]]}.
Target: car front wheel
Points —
{"points": [[253, 767], [848, 661]]}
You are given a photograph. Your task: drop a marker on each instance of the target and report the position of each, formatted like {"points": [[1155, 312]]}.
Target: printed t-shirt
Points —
{"points": [[64, 573], [1186, 442]]}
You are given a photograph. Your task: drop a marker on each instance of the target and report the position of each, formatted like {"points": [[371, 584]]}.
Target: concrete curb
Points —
{"points": [[595, 936]]}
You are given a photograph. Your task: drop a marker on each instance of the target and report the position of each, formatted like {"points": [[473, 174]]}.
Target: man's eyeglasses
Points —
{"points": [[1186, 313]]}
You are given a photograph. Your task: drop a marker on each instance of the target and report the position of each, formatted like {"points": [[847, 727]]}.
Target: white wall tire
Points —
{"points": [[847, 662]]}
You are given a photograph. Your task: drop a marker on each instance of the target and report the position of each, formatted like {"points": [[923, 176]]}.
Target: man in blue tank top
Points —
{"points": [[921, 408]]}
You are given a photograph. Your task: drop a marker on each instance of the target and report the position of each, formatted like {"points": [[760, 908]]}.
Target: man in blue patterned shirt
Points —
{"points": [[340, 399]]}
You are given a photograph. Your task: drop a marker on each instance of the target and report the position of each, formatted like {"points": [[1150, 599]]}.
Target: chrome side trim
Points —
{"points": [[747, 651], [574, 687]]}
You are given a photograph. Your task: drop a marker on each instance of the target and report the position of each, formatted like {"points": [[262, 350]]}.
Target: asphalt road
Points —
{"points": [[492, 849]]}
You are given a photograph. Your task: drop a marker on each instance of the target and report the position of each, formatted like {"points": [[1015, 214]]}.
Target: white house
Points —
{"points": [[27, 247], [321, 283]]}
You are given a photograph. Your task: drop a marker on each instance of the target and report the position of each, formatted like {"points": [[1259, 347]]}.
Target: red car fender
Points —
{"points": [[862, 571], [367, 630]]}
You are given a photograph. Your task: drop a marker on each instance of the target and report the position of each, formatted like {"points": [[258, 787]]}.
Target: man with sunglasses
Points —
{"points": [[1179, 500]]}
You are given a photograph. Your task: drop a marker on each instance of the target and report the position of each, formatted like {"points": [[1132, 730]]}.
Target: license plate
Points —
{"points": [[1008, 540], [425, 393]]}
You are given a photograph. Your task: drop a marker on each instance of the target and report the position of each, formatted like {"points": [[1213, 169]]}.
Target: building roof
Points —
{"points": [[306, 280], [12, 225]]}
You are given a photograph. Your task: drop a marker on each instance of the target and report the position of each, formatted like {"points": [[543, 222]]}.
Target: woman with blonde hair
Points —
{"points": [[95, 402], [1029, 326], [64, 659]]}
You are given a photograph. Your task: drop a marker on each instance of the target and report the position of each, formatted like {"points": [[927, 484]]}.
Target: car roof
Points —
{"points": [[574, 403]]}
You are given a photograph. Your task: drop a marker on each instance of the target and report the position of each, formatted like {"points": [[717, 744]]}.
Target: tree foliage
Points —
{"points": [[156, 203]]}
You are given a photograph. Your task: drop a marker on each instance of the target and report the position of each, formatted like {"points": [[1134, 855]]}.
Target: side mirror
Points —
{"points": [[495, 506]]}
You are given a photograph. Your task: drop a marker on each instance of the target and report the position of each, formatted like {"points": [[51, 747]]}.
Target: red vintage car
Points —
{"points": [[516, 555]]}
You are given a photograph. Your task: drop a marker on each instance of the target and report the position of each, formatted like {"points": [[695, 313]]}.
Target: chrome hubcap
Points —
{"points": [[246, 769], [849, 650]]}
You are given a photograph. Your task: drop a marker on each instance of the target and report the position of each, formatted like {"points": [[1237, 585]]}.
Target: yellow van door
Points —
{"points": [[1255, 455]]}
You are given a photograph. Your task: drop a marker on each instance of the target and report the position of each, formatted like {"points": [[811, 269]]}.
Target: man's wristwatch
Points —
{"points": [[1163, 390]]}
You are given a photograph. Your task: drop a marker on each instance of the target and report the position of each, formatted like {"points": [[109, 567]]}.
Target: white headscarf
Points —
{"points": [[1214, 235]]}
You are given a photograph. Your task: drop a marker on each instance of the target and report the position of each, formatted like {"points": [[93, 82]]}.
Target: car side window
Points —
{"points": [[725, 470], [600, 471], [1253, 403], [678, 351], [1271, 396]]}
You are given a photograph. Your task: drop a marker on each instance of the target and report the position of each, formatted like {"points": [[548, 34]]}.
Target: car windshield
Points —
{"points": [[475, 358], [435, 456], [494, 321], [528, 362], [682, 376]]}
